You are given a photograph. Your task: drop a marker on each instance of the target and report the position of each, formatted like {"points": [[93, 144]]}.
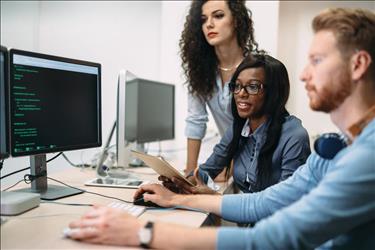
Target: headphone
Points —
{"points": [[329, 144]]}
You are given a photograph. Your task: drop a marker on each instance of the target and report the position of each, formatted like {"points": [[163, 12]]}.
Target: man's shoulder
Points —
{"points": [[356, 161], [362, 151]]}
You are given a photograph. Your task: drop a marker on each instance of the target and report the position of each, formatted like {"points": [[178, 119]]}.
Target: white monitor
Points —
{"points": [[145, 113]]}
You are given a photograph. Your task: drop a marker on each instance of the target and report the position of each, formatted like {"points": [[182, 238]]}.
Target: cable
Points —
{"points": [[74, 165], [20, 170], [67, 204], [83, 190], [28, 178], [13, 185], [15, 172], [110, 197], [55, 157]]}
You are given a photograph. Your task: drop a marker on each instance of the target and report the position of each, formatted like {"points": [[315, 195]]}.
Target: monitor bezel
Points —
{"points": [[6, 153], [98, 143]]}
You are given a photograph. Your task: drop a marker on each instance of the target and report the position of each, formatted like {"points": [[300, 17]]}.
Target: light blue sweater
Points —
{"points": [[326, 204]]}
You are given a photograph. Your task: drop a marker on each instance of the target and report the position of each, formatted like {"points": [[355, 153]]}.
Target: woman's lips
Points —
{"points": [[243, 105]]}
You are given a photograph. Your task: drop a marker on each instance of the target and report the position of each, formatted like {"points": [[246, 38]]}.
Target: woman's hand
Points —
{"points": [[179, 186], [200, 188], [157, 194], [104, 225]]}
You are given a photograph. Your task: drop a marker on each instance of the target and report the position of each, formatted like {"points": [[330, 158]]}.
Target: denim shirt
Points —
{"points": [[290, 153], [325, 204], [219, 105]]}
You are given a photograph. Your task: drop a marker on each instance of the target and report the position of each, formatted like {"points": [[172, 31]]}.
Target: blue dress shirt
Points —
{"points": [[219, 105], [291, 152], [325, 204]]}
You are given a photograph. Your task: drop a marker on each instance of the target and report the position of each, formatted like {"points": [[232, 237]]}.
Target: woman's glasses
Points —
{"points": [[252, 89]]}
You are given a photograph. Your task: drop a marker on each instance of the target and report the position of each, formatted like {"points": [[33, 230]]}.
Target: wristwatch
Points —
{"points": [[145, 235]]}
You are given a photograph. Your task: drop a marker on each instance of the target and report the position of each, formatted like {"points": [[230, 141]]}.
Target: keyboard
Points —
{"points": [[127, 207]]}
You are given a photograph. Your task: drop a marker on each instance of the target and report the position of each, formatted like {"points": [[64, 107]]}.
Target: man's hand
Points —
{"points": [[157, 194], [104, 225]]}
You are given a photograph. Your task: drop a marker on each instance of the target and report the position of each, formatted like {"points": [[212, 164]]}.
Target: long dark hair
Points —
{"points": [[276, 95], [199, 60]]}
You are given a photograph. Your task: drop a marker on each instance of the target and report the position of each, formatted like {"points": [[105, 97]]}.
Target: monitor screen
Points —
{"points": [[4, 142], [149, 111], [55, 103]]}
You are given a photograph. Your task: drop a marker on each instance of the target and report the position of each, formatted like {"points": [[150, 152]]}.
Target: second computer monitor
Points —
{"points": [[145, 113], [149, 111]]}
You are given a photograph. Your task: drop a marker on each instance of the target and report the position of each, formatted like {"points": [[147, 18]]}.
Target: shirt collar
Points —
{"points": [[355, 129], [258, 132]]}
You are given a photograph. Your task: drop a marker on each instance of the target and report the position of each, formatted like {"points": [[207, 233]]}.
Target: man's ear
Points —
{"points": [[360, 63]]}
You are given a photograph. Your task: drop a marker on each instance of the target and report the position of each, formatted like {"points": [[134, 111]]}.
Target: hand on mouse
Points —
{"points": [[157, 194]]}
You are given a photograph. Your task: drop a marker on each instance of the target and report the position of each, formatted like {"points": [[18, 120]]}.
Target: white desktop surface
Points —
{"points": [[42, 227]]}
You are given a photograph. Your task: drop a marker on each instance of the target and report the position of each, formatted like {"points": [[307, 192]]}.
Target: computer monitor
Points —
{"points": [[145, 113], [4, 114], [55, 105]]}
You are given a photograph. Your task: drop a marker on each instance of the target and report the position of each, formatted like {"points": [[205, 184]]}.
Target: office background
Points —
{"points": [[142, 37]]}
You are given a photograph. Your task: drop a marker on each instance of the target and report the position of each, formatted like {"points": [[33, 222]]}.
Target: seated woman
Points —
{"points": [[265, 143]]}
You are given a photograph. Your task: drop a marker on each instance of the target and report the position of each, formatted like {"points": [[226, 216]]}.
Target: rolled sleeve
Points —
{"points": [[196, 121], [218, 160]]}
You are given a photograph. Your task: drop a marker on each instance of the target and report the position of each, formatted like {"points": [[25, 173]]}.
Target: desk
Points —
{"points": [[41, 227]]}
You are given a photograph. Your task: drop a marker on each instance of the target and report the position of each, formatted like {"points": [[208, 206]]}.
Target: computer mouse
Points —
{"points": [[139, 201]]}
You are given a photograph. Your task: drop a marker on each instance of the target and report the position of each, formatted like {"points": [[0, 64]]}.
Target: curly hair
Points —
{"points": [[276, 96], [199, 60]]}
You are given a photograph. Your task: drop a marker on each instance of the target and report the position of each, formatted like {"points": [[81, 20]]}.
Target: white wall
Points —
{"points": [[265, 15], [172, 20], [294, 38], [118, 34], [20, 24]]}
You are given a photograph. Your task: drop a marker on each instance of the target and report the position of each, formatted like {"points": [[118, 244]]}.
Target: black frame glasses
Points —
{"points": [[253, 88]]}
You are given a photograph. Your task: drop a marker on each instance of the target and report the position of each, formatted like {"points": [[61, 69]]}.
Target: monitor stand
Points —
{"points": [[38, 167], [135, 162]]}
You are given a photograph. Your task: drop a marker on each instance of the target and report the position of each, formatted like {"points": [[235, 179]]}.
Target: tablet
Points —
{"points": [[115, 182], [160, 166]]}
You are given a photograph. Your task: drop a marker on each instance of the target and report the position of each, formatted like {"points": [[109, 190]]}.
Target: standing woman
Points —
{"points": [[217, 36]]}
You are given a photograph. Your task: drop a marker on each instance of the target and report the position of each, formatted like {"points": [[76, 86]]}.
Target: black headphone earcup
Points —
{"points": [[328, 145]]}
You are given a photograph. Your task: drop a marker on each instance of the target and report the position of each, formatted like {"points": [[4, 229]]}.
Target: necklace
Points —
{"points": [[229, 69]]}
